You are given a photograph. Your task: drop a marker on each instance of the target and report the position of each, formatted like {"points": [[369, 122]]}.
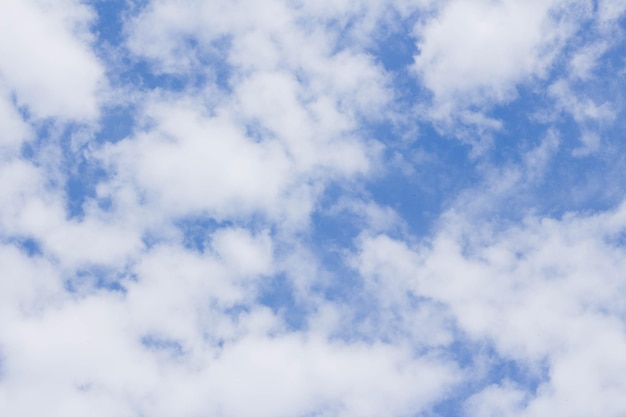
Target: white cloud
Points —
{"points": [[587, 113], [14, 129], [475, 53], [611, 10], [46, 60], [496, 401], [263, 38], [117, 312], [89, 351], [545, 293], [268, 149], [192, 163], [581, 108], [33, 208], [284, 132], [195, 165], [28, 285], [584, 61]]}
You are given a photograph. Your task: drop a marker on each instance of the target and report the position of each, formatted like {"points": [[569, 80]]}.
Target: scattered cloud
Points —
{"points": [[332, 208]]}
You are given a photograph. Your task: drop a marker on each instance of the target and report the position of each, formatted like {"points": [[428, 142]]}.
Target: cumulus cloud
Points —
{"points": [[217, 210], [478, 51], [47, 62], [536, 292], [476, 56]]}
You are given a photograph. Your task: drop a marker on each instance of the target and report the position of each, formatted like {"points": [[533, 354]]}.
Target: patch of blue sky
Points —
{"points": [[209, 67], [27, 245], [197, 230], [171, 347], [278, 294], [80, 186], [116, 123], [522, 124], [153, 237], [30, 246], [336, 281], [528, 377], [143, 76], [334, 228], [80, 172], [95, 278], [256, 132], [395, 51], [423, 172], [617, 239], [329, 221], [424, 178], [571, 181], [396, 47], [44, 131], [110, 24], [580, 185]]}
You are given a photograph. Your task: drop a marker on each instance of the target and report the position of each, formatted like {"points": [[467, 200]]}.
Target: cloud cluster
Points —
{"points": [[214, 211], [545, 294], [473, 57]]}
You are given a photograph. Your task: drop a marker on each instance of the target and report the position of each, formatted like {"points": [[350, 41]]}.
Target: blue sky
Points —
{"points": [[335, 208]]}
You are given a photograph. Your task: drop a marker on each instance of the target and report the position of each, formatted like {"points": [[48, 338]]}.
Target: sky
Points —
{"points": [[330, 208]]}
